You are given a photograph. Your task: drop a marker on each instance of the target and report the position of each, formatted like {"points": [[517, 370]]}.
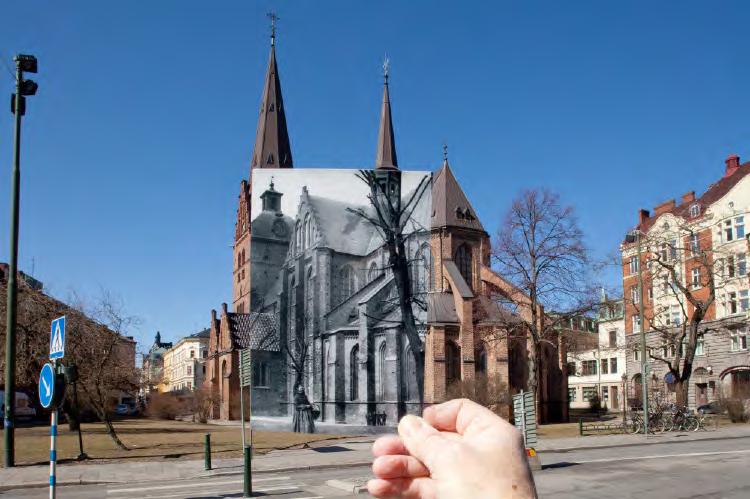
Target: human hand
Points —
{"points": [[458, 450]]}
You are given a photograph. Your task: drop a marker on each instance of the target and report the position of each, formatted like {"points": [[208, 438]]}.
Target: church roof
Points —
{"points": [[385, 155], [450, 206], [341, 230], [441, 309], [272, 148], [256, 330]]}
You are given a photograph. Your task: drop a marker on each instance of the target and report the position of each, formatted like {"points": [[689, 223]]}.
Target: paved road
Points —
{"points": [[708, 469]]}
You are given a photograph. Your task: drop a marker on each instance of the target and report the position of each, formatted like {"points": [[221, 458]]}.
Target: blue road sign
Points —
{"points": [[47, 385], [57, 339]]}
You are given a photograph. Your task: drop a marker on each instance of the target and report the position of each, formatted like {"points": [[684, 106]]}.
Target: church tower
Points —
{"points": [[271, 150], [386, 163]]}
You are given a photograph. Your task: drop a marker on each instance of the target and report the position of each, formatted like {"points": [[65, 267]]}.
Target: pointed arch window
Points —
{"points": [[380, 373], [373, 272], [309, 297], [480, 357], [409, 374], [463, 259], [452, 362], [354, 373], [292, 311], [346, 283]]}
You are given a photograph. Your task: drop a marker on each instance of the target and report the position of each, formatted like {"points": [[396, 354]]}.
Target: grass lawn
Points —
{"points": [[151, 439]]}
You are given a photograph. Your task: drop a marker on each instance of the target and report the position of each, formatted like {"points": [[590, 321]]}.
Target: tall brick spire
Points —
{"points": [[385, 156], [272, 148]]}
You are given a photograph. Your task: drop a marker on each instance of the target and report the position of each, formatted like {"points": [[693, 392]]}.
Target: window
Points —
{"points": [[354, 373], [695, 210], [588, 367], [744, 301], [192, 354], [664, 253], [699, 347], [674, 315], [728, 234], [673, 249], [346, 283], [418, 270], [696, 278], [741, 265], [613, 365], [739, 227], [695, 245], [612, 339], [189, 370], [452, 362], [635, 295], [605, 366], [636, 323], [572, 392], [292, 312], [739, 342], [651, 292], [636, 354], [633, 264], [589, 392], [730, 266], [731, 303], [309, 300], [480, 356], [373, 272], [261, 375], [380, 373], [463, 262], [571, 368]]}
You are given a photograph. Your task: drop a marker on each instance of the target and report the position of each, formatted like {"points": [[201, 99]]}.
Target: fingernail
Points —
{"points": [[410, 425]]}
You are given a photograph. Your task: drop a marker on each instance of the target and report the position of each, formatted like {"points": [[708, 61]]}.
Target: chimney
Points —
{"points": [[213, 316], [223, 309], [733, 164], [643, 216], [665, 207], [688, 197]]}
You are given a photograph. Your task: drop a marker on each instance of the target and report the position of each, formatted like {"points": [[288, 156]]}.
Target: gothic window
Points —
{"points": [[346, 282], [420, 270], [452, 362], [480, 357], [373, 272], [354, 373], [298, 236], [464, 264], [309, 295], [292, 306], [409, 374], [380, 373]]}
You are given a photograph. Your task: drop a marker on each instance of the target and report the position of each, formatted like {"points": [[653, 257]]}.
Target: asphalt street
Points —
{"points": [[698, 469]]}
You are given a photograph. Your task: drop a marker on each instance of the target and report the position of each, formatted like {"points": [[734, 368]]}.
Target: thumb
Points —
{"points": [[421, 439]]}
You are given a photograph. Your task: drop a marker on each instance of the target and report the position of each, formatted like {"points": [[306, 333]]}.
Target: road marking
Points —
{"points": [[662, 456], [194, 484], [268, 489]]}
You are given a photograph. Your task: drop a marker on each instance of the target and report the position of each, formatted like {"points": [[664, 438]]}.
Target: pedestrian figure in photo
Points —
{"points": [[303, 417]]}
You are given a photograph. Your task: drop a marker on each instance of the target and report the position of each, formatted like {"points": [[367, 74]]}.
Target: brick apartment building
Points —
{"points": [[703, 238]]}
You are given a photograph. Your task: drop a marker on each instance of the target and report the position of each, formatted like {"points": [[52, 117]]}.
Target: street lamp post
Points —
{"points": [[636, 237], [24, 64]]}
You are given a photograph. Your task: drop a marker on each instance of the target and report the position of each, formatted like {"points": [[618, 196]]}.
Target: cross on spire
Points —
{"points": [[273, 17], [386, 66], [445, 151]]}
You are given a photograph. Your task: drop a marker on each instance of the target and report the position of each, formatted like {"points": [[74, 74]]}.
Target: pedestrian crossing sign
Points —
{"points": [[57, 339]]}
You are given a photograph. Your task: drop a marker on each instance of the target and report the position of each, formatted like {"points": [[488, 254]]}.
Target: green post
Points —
{"points": [[207, 450], [580, 426], [248, 490]]}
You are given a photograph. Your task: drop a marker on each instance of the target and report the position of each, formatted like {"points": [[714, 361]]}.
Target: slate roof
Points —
{"points": [[256, 330], [450, 206], [441, 309], [342, 230], [385, 155], [463, 289]]}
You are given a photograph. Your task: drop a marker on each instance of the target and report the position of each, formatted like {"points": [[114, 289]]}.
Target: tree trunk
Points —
{"points": [[681, 392], [112, 433]]}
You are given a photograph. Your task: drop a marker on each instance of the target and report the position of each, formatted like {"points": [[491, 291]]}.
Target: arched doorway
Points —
{"points": [[700, 376]]}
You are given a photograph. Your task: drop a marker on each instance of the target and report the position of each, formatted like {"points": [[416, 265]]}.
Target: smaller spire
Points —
{"points": [[385, 157]]}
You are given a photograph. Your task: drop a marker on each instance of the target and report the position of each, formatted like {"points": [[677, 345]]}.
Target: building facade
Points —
{"points": [[152, 366], [599, 367], [184, 364], [702, 243]]}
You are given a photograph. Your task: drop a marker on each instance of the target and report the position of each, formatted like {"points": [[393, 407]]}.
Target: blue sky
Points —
{"points": [[144, 123]]}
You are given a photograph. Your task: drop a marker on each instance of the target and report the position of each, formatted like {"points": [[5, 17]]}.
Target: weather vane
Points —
{"points": [[271, 186], [445, 151], [273, 17], [386, 66]]}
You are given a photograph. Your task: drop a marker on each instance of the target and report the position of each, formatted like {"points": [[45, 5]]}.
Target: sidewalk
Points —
{"points": [[351, 453]]}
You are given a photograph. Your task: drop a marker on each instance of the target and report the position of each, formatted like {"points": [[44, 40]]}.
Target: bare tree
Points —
{"points": [[390, 218], [683, 275], [539, 248]]}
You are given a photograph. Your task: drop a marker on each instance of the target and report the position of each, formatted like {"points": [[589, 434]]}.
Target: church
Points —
{"points": [[296, 282]]}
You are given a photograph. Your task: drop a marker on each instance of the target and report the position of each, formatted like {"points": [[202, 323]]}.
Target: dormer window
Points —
{"points": [[459, 213], [695, 210], [468, 215]]}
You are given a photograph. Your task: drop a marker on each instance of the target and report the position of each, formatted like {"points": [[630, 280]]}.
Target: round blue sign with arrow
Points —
{"points": [[47, 385]]}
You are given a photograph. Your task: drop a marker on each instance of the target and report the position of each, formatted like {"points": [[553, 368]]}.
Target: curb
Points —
{"points": [[563, 450], [285, 469], [66, 483]]}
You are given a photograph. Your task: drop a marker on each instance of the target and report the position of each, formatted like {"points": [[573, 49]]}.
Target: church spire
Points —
{"points": [[272, 148], [385, 157]]}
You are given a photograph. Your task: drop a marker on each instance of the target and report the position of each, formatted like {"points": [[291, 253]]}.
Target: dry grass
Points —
{"points": [[559, 430], [151, 439]]}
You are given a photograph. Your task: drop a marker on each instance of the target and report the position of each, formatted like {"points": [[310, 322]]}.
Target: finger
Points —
{"points": [[388, 445], [407, 488], [398, 467], [422, 440], [460, 415]]}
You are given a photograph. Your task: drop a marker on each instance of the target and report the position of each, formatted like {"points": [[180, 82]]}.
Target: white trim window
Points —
{"points": [[696, 278], [730, 303], [699, 346], [744, 300], [731, 269], [741, 265], [734, 228], [636, 353], [633, 264], [695, 210], [695, 244], [739, 342], [636, 324], [635, 295]]}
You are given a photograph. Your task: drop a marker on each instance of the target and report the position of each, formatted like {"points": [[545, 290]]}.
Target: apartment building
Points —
{"points": [[184, 363], [689, 249], [598, 366]]}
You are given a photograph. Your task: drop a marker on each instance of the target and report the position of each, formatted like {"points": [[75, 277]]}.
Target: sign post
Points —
{"points": [[524, 415], [246, 380], [51, 392]]}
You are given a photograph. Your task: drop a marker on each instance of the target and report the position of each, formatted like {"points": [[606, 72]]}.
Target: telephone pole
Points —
{"points": [[24, 64]]}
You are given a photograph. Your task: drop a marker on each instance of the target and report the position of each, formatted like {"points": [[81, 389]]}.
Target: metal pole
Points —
{"points": [[207, 451], [242, 412], [642, 327], [248, 479], [10, 337], [52, 452]]}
